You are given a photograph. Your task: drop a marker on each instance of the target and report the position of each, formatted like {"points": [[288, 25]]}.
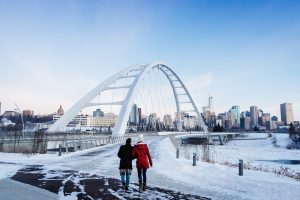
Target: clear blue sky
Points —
{"points": [[241, 52]]}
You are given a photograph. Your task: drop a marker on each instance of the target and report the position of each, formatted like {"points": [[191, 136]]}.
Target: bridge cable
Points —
{"points": [[154, 88], [99, 101], [112, 98], [126, 83], [159, 97], [150, 82], [144, 102], [166, 95]]}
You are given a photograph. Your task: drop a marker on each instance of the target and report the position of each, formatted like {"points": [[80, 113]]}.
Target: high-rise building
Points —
{"points": [[98, 113], [274, 118], [167, 120], [268, 125], [248, 114], [286, 111], [208, 108], [261, 120], [189, 122], [254, 116], [152, 120], [210, 103], [219, 122], [236, 112], [245, 123], [273, 125], [265, 119], [134, 115], [267, 116], [243, 115], [222, 117], [229, 119], [139, 116]]}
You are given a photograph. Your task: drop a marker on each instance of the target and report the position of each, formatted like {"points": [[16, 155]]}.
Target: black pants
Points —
{"points": [[142, 174]]}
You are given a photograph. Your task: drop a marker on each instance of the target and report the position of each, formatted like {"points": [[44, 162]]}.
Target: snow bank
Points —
{"points": [[7, 170]]}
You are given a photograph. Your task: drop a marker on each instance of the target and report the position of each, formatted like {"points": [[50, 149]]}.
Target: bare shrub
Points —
{"points": [[282, 171]]}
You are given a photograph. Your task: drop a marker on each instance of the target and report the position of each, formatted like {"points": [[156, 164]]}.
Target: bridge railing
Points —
{"points": [[41, 142]]}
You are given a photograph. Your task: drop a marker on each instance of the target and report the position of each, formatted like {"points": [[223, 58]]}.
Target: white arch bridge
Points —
{"points": [[137, 73]]}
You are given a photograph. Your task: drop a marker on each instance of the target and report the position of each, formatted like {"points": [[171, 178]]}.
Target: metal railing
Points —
{"points": [[41, 142]]}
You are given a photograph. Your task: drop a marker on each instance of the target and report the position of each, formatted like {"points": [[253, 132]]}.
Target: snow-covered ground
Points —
{"points": [[258, 152], [225, 181], [7, 170], [209, 180]]}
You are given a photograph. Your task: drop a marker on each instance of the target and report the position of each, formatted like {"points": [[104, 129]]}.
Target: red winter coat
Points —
{"points": [[142, 155]]}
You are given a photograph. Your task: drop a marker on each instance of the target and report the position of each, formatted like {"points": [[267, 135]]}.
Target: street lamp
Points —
{"points": [[21, 119]]}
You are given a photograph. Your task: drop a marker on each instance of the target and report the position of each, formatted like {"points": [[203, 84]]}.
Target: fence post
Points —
{"points": [[75, 146], [66, 147], [241, 167], [59, 150], [177, 153], [194, 159]]}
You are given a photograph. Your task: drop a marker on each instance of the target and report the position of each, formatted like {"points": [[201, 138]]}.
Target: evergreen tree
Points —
{"points": [[292, 129], [292, 132]]}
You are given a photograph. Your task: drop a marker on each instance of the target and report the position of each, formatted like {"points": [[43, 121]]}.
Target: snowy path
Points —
{"points": [[93, 174], [72, 185]]}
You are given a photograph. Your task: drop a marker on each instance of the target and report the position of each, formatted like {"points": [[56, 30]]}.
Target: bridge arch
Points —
{"points": [[121, 124]]}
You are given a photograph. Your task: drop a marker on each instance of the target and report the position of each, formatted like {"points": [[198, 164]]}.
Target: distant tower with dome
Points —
{"points": [[60, 111]]}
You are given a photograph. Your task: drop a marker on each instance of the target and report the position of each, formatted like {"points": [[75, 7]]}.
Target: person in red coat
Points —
{"points": [[143, 161]]}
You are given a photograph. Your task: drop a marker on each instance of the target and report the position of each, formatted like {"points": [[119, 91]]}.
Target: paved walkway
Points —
{"points": [[10, 190]]}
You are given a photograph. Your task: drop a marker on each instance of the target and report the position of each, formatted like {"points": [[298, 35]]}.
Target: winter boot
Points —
{"points": [[144, 187], [126, 188], [140, 186]]}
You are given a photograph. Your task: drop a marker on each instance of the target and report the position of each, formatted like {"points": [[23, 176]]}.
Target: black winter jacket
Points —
{"points": [[125, 155]]}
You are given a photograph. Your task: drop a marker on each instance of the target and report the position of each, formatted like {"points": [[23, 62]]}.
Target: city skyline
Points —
{"points": [[254, 113], [219, 48]]}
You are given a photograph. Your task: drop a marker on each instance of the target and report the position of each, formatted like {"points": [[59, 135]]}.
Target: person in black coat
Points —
{"points": [[125, 162]]}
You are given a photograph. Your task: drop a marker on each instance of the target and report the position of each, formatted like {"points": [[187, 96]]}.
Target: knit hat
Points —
{"points": [[141, 138]]}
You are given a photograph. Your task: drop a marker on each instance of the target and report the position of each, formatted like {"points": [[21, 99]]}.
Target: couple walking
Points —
{"points": [[141, 153]]}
